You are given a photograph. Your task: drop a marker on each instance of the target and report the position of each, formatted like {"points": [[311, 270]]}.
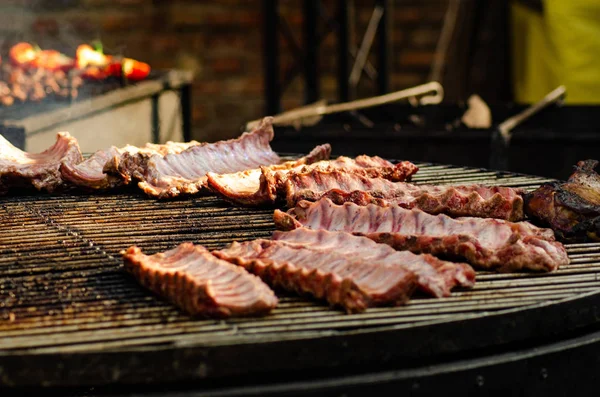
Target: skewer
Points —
{"points": [[430, 93], [502, 134]]}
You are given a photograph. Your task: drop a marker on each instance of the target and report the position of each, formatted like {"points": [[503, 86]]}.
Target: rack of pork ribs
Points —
{"points": [[356, 232]]}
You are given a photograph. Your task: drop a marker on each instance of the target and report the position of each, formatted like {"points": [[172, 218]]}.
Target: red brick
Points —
{"points": [[403, 14], [416, 58], [200, 114], [245, 85], [45, 26], [82, 25], [165, 44], [208, 87], [226, 65], [400, 81], [125, 22], [232, 40], [121, 3], [424, 38]]}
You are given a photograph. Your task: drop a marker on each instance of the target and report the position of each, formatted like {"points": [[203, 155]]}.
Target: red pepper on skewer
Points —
{"points": [[134, 70], [53, 60], [95, 65], [23, 54]]}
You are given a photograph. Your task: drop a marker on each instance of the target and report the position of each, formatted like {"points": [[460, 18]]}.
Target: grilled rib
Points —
{"points": [[486, 243], [89, 174], [185, 172], [200, 284], [342, 281], [21, 169], [470, 200], [262, 186], [249, 187], [434, 276]]}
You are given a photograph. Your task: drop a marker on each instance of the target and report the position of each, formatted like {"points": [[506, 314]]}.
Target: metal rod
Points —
{"points": [[311, 87], [507, 126], [365, 46], [443, 44], [155, 120], [431, 93], [294, 69], [271, 51], [501, 136], [383, 50], [186, 112], [343, 48]]}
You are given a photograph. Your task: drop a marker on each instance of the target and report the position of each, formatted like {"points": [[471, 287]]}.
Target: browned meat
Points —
{"points": [[434, 276], [21, 169], [35, 84], [263, 186], [89, 174], [572, 208], [185, 172], [339, 279], [470, 200], [249, 187], [486, 243], [197, 282], [321, 263]]}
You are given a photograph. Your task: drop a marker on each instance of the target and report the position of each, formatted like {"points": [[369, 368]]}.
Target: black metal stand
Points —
{"points": [[307, 55], [384, 43], [186, 112], [155, 120], [343, 45]]}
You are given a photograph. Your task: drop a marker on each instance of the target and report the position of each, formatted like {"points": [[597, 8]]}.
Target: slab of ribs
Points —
{"points": [[485, 243], [199, 283], [20, 169]]}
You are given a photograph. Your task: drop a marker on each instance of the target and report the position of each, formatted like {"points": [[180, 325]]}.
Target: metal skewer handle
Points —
{"points": [[509, 124], [430, 93]]}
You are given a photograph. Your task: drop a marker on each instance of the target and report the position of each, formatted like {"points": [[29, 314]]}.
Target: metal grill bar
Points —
{"points": [[63, 290]]}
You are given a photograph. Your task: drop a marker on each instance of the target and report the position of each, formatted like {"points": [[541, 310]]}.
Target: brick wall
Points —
{"points": [[221, 42]]}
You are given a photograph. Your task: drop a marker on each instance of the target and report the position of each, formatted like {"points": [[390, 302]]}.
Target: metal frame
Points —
{"points": [[307, 57]]}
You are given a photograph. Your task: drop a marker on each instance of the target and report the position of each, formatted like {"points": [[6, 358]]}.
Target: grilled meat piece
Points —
{"points": [[572, 208], [263, 186], [249, 187], [21, 169], [341, 186], [435, 277], [200, 284], [89, 174], [487, 243], [321, 262], [185, 172], [35, 84], [341, 280]]}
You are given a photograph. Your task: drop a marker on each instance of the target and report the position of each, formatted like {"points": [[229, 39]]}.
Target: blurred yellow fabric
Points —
{"points": [[559, 46]]}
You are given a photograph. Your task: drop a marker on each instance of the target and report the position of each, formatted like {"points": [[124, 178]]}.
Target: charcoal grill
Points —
{"points": [[108, 111], [71, 317]]}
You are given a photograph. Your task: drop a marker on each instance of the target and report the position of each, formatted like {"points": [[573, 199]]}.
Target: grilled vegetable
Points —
{"points": [[23, 54]]}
